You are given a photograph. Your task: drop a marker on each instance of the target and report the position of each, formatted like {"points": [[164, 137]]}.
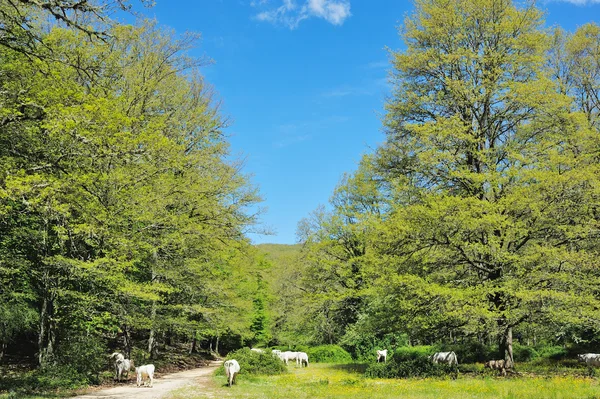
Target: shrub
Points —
{"points": [[405, 353], [80, 359], [524, 353], [328, 354], [416, 367], [254, 363], [552, 352], [363, 347], [472, 352], [409, 362]]}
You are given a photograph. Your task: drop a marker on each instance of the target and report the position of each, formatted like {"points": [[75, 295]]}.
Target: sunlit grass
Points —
{"points": [[334, 381]]}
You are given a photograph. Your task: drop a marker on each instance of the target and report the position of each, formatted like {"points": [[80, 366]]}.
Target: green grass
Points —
{"points": [[340, 382]]}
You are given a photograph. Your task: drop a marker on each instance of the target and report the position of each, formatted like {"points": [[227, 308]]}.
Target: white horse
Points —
{"points": [[146, 370], [232, 368], [382, 354], [122, 365]]}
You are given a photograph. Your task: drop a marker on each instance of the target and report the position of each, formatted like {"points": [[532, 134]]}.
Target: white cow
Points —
{"points": [[257, 350], [591, 359], [232, 368], [276, 352], [302, 359], [382, 354], [445, 357], [146, 370]]}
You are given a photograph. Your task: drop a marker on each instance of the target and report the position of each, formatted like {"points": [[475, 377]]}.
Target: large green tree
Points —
{"points": [[118, 201], [494, 177]]}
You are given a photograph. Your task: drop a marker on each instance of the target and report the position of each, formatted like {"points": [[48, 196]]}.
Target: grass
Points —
{"points": [[338, 382]]}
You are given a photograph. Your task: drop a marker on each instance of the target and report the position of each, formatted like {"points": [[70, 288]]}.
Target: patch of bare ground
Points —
{"points": [[196, 378]]}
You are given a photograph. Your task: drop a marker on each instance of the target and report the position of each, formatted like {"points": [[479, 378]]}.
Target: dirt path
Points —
{"points": [[162, 387]]}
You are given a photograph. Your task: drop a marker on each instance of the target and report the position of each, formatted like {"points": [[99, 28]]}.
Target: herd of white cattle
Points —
{"points": [[232, 367]]}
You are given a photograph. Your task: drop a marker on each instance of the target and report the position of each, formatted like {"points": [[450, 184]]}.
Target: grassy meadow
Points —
{"points": [[345, 381]]}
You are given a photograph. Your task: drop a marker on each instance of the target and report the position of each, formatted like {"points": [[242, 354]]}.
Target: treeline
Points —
{"points": [[122, 214], [477, 220]]}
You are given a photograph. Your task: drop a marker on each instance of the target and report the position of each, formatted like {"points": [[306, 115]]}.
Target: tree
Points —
{"points": [[21, 19], [117, 196], [485, 163]]}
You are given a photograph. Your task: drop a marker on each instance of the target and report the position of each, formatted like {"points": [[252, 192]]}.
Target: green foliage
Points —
{"points": [[524, 353], [473, 352], [254, 363], [122, 213], [363, 346], [410, 362], [552, 352], [328, 354], [82, 356], [59, 378]]}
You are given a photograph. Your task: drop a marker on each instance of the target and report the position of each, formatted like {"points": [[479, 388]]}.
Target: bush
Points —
{"points": [[57, 379], [552, 352], [80, 358], [417, 367], [254, 363], [363, 347], [409, 362], [472, 352], [406, 353], [524, 353], [328, 354]]}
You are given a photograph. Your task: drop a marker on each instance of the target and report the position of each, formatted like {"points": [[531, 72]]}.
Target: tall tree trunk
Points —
{"points": [[127, 339], [506, 347], [46, 336], [152, 335], [194, 342], [509, 347], [217, 345], [169, 337]]}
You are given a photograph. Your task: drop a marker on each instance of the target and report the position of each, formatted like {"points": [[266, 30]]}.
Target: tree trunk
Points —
{"points": [[506, 347], [509, 347], [2, 349], [217, 345], [46, 337], [152, 336], [169, 338], [127, 339], [194, 342]]}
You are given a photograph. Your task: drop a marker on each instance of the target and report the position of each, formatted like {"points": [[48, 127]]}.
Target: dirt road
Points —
{"points": [[162, 387]]}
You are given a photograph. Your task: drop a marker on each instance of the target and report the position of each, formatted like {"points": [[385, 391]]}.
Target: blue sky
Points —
{"points": [[304, 83]]}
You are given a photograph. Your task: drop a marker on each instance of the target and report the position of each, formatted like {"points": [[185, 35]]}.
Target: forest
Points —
{"points": [[124, 218]]}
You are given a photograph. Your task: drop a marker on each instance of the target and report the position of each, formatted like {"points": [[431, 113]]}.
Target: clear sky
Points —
{"points": [[304, 83]]}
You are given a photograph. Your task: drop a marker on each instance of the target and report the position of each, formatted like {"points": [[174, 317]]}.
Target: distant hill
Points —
{"points": [[278, 252]]}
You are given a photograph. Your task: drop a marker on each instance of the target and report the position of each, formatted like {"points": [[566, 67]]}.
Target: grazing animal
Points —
{"points": [[382, 354], [122, 365], [232, 368], [276, 352], [288, 355], [591, 359], [118, 357], [444, 357], [146, 370], [302, 359], [497, 365], [257, 350]]}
